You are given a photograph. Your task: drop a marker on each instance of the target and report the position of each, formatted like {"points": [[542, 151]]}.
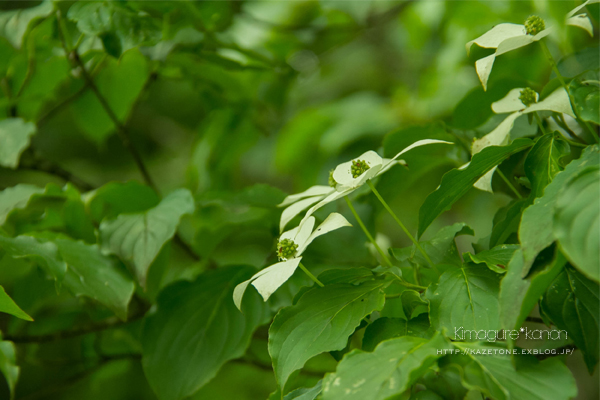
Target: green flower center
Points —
{"points": [[528, 96], [358, 168], [534, 25], [286, 249], [332, 181]]}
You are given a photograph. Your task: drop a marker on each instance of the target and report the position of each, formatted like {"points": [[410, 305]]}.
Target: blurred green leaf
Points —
{"points": [[15, 197], [322, 320], [8, 305], [116, 198], [15, 24], [120, 83], [15, 135], [195, 330], [44, 254], [8, 365], [138, 237]]}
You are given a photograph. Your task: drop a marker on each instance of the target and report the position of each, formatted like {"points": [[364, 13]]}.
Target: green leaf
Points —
{"points": [[542, 162], [536, 229], [518, 295], [116, 198], [496, 258], [457, 183], [441, 248], [8, 305], [96, 276], [305, 393], [571, 302], [446, 382], [388, 371], [15, 197], [465, 298], [119, 27], [388, 328], [412, 304], [137, 238], [495, 375], [120, 82], [586, 96], [54, 209], [8, 365], [15, 24], [322, 320], [44, 254], [195, 330], [15, 135], [577, 222], [505, 229]]}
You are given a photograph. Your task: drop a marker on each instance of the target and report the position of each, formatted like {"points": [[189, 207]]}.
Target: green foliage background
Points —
{"points": [[140, 173]]}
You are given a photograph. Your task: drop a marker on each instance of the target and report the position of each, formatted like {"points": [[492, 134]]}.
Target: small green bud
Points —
{"points": [[286, 249], [332, 181], [358, 168], [528, 96], [534, 25]]}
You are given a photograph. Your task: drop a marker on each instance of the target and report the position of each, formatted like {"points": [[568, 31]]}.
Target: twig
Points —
{"points": [[120, 128], [109, 323]]}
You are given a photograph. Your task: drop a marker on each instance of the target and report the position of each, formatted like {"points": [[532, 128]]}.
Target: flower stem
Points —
{"points": [[310, 275], [411, 237], [539, 122], [564, 85], [364, 228], [508, 183]]}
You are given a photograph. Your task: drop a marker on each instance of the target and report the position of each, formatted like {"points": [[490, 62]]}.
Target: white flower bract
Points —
{"points": [[268, 280], [557, 101], [507, 37]]}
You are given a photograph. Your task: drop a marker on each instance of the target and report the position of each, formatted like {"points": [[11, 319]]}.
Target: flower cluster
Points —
{"points": [[343, 180]]}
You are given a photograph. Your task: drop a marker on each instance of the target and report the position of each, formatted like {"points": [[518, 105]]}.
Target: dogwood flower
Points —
{"points": [[343, 180], [290, 247], [296, 203], [351, 175], [518, 102], [507, 37]]}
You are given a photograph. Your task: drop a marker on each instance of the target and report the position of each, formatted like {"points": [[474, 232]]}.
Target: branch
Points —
{"points": [[109, 323], [121, 130]]}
